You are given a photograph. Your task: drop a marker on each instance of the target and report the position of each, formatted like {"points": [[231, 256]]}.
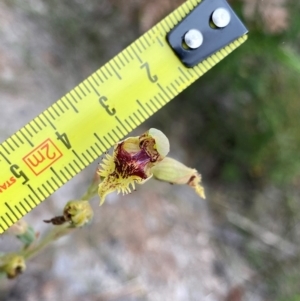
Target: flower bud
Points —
{"points": [[131, 162], [78, 213], [12, 265], [174, 172]]}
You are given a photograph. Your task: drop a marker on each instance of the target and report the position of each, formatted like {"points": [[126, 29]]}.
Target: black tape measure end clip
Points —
{"points": [[211, 26]]}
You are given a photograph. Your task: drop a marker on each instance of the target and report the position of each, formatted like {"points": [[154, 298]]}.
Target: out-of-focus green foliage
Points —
{"points": [[238, 123], [244, 114]]}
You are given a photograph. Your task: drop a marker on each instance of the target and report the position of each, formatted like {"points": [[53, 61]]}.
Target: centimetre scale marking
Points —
{"points": [[47, 141]]}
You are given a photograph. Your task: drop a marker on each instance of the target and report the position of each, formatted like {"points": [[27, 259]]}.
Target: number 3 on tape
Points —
{"points": [[72, 133]]}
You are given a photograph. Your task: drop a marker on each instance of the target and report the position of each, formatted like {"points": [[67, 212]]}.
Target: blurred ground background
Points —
{"points": [[239, 128]]}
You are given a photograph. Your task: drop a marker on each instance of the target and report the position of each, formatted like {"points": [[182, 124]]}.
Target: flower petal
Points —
{"points": [[173, 171], [131, 162]]}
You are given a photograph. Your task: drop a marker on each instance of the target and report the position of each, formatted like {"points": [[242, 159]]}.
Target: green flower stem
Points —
{"points": [[57, 231], [91, 191], [54, 234]]}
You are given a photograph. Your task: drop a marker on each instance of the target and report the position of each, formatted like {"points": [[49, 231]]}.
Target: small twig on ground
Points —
{"points": [[273, 240]]}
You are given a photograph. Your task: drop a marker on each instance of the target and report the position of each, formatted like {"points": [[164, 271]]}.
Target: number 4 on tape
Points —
{"points": [[72, 133]]}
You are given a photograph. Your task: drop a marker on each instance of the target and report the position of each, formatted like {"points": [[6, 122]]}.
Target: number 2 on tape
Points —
{"points": [[73, 132]]}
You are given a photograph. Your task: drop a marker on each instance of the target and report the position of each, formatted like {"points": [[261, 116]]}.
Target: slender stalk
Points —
{"points": [[54, 234], [91, 191], [57, 231]]}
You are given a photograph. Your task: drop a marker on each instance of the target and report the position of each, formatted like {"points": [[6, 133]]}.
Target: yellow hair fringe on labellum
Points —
{"points": [[131, 162], [174, 172]]}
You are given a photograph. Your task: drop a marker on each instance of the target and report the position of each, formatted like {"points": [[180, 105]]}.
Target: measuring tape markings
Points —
{"points": [[88, 120]]}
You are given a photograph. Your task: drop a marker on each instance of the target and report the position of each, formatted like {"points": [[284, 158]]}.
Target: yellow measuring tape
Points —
{"points": [[68, 136]]}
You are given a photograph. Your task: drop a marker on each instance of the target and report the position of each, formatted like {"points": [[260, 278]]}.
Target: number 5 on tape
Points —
{"points": [[100, 111]]}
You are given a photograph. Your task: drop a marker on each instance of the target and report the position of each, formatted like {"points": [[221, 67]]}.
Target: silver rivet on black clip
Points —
{"points": [[211, 26]]}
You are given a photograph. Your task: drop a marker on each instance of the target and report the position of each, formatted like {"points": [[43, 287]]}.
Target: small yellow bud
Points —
{"points": [[174, 172], [131, 162], [12, 265], [78, 213]]}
